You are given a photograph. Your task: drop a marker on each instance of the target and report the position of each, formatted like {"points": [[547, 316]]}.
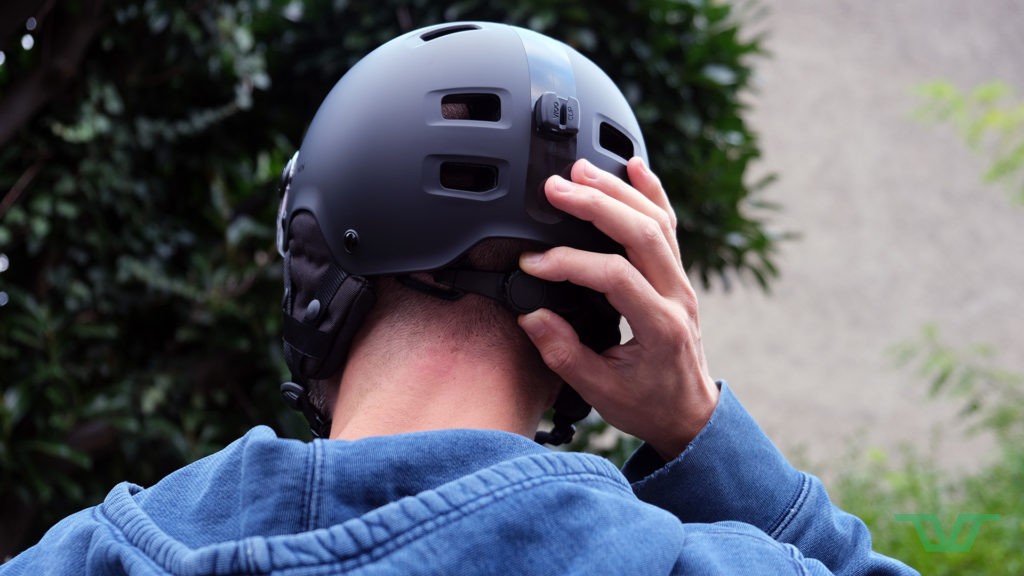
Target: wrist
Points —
{"points": [[695, 416]]}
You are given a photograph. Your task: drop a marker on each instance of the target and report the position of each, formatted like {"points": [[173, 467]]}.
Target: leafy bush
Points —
{"points": [[140, 144]]}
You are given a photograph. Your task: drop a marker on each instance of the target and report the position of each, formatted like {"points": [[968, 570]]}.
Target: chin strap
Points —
{"points": [[589, 313], [296, 396], [570, 408]]}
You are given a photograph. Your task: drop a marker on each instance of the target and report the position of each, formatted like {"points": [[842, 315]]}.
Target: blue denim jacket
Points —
{"points": [[468, 502]]}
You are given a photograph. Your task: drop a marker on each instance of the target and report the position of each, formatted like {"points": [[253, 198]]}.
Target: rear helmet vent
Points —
{"points": [[486, 107], [614, 141], [468, 177], [435, 34]]}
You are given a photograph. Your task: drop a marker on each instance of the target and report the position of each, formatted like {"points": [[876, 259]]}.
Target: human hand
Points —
{"points": [[656, 386]]}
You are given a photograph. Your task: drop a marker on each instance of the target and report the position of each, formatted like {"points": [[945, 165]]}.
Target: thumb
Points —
{"points": [[561, 349]]}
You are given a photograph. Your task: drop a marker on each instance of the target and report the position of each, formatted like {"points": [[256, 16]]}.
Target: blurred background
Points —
{"points": [[849, 178], [887, 355], [899, 232]]}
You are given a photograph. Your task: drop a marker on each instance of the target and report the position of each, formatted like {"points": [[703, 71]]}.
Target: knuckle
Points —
{"points": [[667, 221], [674, 328], [559, 358], [688, 308], [681, 324], [679, 330], [555, 257], [652, 230], [619, 270], [690, 303], [662, 218]]}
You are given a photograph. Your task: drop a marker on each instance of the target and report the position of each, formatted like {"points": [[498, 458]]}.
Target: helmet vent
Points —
{"points": [[613, 140], [486, 107], [435, 34], [469, 177]]}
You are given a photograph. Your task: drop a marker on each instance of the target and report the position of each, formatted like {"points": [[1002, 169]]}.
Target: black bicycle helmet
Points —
{"points": [[394, 182]]}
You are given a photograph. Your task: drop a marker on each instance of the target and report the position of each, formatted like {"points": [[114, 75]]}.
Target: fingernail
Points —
{"points": [[532, 324], [531, 258], [562, 185], [589, 170]]}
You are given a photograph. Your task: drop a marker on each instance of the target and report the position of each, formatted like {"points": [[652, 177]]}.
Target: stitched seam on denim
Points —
{"points": [[794, 507], [419, 530], [319, 477], [306, 500]]}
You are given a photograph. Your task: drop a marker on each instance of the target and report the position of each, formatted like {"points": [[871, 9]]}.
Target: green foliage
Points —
{"points": [[137, 202], [991, 120], [141, 328], [880, 489], [596, 436], [876, 489]]}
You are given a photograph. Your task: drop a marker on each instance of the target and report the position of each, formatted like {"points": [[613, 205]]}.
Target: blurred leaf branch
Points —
{"points": [[991, 398], [990, 118]]}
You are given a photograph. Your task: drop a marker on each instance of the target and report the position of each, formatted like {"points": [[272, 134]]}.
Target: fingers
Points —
{"points": [[646, 194], [585, 172], [648, 184], [643, 237], [638, 217], [648, 314], [657, 386]]}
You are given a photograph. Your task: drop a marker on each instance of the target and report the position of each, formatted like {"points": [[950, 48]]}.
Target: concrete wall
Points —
{"points": [[897, 228]]}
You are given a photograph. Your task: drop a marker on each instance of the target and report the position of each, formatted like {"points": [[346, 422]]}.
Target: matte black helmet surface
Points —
{"points": [[437, 140], [397, 184]]}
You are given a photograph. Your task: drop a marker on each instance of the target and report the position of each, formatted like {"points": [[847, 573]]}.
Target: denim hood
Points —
{"points": [[468, 502], [445, 502]]}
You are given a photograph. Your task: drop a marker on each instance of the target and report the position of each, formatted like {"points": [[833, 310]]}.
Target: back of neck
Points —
{"points": [[432, 385]]}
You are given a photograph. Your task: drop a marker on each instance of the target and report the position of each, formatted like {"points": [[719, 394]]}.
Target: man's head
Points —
{"points": [[436, 142]]}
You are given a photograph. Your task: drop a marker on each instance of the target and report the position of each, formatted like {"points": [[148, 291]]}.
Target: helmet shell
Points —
{"points": [[398, 187]]}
